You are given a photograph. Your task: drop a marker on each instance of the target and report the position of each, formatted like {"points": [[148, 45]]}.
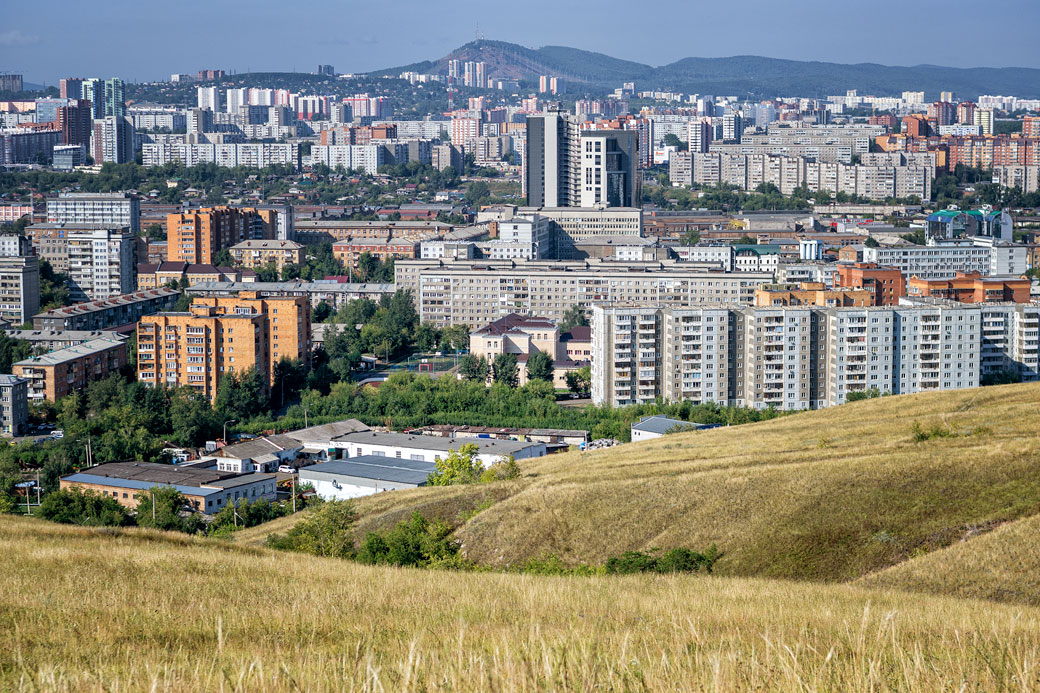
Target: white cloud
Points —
{"points": [[15, 37]]}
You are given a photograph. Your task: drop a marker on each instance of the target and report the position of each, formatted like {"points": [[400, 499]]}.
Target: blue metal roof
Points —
{"points": [[377, 468], [140, 485]]}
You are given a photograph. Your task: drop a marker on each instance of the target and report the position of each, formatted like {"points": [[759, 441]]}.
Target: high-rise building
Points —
{"points": [[19, 288], [221, 335], [946, 96], [74, 120], [196, 236], [113, 140], [209, 98], [327, 70], [732, 127], [966, 112], [552, 165], [10, 81], [110, 209], [237, 99], [983, 117], [943, 112], [102, 263], [610, 169], [71, 88], [14, 405], [47, 109], [698, 135]]}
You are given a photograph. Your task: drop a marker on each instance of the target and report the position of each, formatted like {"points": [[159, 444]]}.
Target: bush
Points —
{"points": [[677, 560], [90, 509], [249, 515], [327, 530], [416, 542]]}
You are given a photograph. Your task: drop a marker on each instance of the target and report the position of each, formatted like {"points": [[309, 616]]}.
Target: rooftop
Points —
{"points": [[262, 244], [63, 335], [105, 304], [320, 285], [437, 443], [94, 346], [514, 322], [663, 424], [374, 467]]}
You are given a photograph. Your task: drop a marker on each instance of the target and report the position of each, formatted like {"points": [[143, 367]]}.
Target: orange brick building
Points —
{"points": [[56, 374], [886, 284], [348, 252], [198, 235], [219, 335], [972, 287]]}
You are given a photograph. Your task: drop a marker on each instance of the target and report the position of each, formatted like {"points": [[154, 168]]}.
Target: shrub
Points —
{"points": [[416, 542], [76, 507], [328, 530], [677, 560]]}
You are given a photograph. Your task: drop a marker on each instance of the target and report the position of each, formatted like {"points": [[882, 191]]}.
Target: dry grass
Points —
{"points": [[115, 611], [1002, 565], [826, 495]]}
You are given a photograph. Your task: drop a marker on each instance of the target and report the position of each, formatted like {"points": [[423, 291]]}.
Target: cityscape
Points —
{"points": [[432, 362]]}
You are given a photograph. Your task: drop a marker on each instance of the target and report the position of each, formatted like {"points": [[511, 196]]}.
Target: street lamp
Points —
{"points": [[225, 428]]}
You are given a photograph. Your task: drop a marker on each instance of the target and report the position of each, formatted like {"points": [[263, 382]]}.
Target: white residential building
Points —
{"points": [[102, 263], [111, 209]]}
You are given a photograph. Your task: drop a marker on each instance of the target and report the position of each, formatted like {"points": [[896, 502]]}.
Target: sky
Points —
{"points": [[144, 41]]}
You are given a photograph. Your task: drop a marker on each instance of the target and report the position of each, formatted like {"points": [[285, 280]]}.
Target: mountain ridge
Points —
{"points": [[758, 76]]}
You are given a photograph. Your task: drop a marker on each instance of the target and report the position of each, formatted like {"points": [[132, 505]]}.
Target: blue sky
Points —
{"points": [[146, 40]]}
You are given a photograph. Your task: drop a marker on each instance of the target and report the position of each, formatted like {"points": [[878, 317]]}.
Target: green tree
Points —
{"points": [[504, 369], [416, 542], [461, 466], [327, 530], [691, 237], [474, 368], [12, 350], [222, 258], [573, 317], [580, 381], [74, 506], [539, 366], [160, 507], [477, 192], [871, 242]]}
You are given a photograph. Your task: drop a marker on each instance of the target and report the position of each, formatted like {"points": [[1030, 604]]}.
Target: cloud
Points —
{"points": [[15, 37]]}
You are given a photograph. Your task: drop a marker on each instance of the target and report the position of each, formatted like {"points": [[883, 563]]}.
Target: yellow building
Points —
{"points": [[254, 254], [219, 335]]}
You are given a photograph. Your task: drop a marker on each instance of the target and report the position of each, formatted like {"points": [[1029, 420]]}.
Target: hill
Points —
{"points": [[742, 75], [828, 495], [89, 610], [1002, 565]]}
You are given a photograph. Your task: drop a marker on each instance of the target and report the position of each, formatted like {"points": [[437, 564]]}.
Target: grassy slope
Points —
{"points": [[1003, 565], [827, 495], [84, 610]]}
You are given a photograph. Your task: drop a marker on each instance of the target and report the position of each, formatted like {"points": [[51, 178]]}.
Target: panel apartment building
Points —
{"points": [[944, 259], [805, 357], [19, 288], [477, 292], [62, 372], [219, 335], [102, 263], [112, 210]]}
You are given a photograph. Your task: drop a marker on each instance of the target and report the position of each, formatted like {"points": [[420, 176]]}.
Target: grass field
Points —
{"points": [[84, 610], [830, 495], [1002, 565]]}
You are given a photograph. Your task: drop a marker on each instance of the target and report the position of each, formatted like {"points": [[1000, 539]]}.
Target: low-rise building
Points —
{"points": [[811, 294], [650, 427], [254, 254], [332, 291], [264, 454], [205, 490], [108, 313], [348, 252], [365, 475], [167, 273], [972, 287], [523, 336], [885, 284], [59, 373], [50, 340], [14, 405], [316, 231], [428, 448]]}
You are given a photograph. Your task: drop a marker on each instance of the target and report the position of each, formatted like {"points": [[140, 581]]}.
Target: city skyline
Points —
{"points": [[197, 36]]}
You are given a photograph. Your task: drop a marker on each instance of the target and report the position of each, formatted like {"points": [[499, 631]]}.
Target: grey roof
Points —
{"points": [[662, 424], [373, 467], [316, 286], [64, 335], [251, 449], [138, 485], [243, 480], [327, 431], [9, 380], [439, 443], [94, 346]]}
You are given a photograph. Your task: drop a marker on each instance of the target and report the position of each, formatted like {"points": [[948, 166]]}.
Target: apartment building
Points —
{"points": [[811, 294], [972, 287], [109, 210], [51, 340], [475, 292], [222, 334], [348, 252], [251, 154], [806, 357], [885, 284], [945, 258], [59, 373], [102, 263], [107, 313], [19, 288], [197, 235], [316, 231], [153, 276], [14, 405], [332, 291], [260, 253]]}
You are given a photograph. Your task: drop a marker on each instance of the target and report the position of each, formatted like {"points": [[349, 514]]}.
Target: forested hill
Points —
{"points": [[742, 75]]}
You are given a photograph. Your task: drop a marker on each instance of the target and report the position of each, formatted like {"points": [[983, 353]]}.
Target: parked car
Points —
{"points": [[287, 469], [58, 434]]}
